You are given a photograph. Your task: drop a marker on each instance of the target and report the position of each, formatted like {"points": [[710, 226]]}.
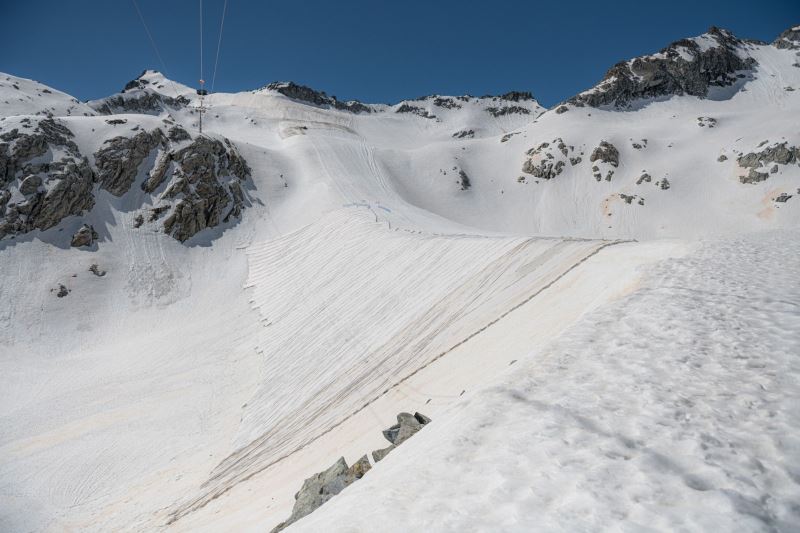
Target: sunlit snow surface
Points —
{"points": [[676, 408]]}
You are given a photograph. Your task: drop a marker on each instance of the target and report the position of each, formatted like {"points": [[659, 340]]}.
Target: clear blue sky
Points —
{"points": [[375, 51]]}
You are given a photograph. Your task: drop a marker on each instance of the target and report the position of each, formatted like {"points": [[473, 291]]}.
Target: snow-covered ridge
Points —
{"points": [[688, 66]]}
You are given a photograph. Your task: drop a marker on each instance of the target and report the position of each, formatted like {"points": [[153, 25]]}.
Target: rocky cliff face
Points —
{"points": [[319, 98], [43, 177], [688, 66], [788, 40], [194, 184]]}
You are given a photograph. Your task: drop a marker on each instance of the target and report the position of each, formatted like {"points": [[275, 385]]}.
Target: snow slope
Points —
{"points": [[194, 386], [670, 409]]}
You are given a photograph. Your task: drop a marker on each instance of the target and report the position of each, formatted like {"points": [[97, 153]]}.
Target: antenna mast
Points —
{"points": [[201, 91]]}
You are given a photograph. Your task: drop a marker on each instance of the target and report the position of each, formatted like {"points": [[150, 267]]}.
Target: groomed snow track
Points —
{"points": [[351, 309]]}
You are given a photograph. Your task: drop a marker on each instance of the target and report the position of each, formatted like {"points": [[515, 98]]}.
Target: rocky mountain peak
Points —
{"points": [[688, 66], [789, 39], [302, 93]]}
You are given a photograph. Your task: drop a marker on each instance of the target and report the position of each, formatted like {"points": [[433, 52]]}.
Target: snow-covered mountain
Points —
{"points": [[195, 323]]}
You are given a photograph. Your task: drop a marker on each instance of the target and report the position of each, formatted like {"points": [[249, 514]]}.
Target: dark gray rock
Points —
{"points": [[753, 176], [143, 103], [645, 177], [177, 134], [320, 488], [683, 67], [561, 109], [62, 291], [97, 271], [465, 183], [780, 153], [447, 103], [407, 425], [416, 110], [606, 153], [377, 455], [30, 184], [205, 187], [119, 159], [517, 96], [782, 198], [85, 236], [722, 158], [508, 110], [68, 176], [464, 134], [318, 98], [789, 39]]}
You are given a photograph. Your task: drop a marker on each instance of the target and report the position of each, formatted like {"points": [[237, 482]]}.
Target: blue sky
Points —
{"points": [[375, 51]]}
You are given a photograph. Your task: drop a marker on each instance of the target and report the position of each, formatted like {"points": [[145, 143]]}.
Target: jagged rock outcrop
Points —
{"points": [[777, 154], [688, 66], [43, 177], [507, 110], [85, 236], [319, 98], [407, 425], [789, 39], [143, 102], [321, 487], [119, 159], [464, 180], [607, 154], [204, 189], [416, 110], [549, 159], [517, 96]]}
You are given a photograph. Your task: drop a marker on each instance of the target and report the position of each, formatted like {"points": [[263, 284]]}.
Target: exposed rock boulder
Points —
{"points": [[321, 487], [688, 66], [606, 153], [757, 162], [119, 160], [407, 425], [548, 160], [706, 121], [377, 455], [85, 236]]}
